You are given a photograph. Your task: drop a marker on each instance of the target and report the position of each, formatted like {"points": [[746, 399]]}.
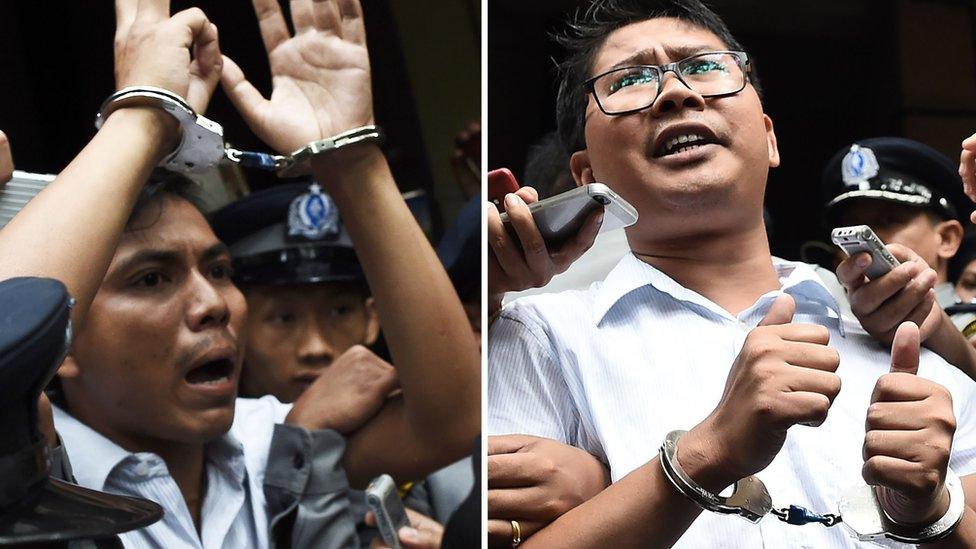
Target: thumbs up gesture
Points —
{"points": [[784, 375], [909, 426]]}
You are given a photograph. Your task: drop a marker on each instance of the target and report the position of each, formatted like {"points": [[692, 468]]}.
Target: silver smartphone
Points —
{"points": [[19, 191], [560, 217], [860, 238], [385, 503]]}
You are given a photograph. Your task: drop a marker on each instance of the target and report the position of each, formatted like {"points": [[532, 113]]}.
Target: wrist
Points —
{"points": [[699, 459], [345, 163], [162, 130], [911, 511]]}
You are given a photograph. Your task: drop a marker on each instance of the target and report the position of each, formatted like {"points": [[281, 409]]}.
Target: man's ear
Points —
{"points": [[69, 368], [579, 164], [771, 142], [372, 322], [950, 238]]}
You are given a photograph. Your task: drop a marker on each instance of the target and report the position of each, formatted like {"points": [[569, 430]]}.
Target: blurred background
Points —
{"points": [[833, 71], [56, 64]]}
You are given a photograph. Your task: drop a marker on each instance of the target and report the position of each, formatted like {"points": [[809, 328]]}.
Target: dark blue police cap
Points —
{"points": [[288, 234], [897, 170], [34, 508]]}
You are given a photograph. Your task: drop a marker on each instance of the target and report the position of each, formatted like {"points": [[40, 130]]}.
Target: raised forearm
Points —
{"points": [[69, 231], [949, 343], [640, 510], [424, 325]]}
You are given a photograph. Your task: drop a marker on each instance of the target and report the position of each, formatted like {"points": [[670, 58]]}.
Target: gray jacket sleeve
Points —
{"points": [[307, 490]]}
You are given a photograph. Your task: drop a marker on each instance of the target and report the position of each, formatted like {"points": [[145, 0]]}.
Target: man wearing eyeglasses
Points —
{"points": [[701, 329]]}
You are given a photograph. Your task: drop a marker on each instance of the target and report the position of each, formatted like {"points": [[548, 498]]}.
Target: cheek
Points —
{"points": [[237, 307]]}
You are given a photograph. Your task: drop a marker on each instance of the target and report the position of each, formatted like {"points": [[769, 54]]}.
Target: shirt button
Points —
{"points": [[298, 461], [142, 468]]}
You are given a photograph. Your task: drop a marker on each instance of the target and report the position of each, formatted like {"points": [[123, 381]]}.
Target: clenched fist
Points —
{"points": [[783, 376], [910, 425]]}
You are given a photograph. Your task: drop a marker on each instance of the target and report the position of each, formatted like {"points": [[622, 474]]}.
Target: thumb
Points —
{"points": [[905, 349], [413, 538], [780, 312]]}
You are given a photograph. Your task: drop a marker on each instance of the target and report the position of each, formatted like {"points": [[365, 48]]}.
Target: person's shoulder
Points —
{"points": [[551, 309]]}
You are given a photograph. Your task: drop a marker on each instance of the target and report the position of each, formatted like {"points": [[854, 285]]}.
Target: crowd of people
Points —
{"points": [[239, 375], [647, 384]]}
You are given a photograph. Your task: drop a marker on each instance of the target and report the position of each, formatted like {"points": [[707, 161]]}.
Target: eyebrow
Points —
{"points": [[647, 56], [168, 257]]}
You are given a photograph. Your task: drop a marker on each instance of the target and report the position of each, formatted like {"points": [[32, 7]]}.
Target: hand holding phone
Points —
{"points": [[860, 238], [905, 293], [387, 507]]}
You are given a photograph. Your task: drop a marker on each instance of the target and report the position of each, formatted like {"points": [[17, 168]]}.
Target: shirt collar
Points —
{"points": [[798, 279], [92, 466]]}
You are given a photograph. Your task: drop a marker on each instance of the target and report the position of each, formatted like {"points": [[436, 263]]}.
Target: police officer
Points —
{"points": [[36, 505], [907, 192], [308, 301]]}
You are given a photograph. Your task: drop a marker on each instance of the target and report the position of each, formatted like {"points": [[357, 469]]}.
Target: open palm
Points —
{"points": [[320, 76]]}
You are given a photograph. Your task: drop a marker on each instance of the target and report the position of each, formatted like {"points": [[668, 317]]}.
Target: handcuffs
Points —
{"points": [[858, 508], [202, 144]]}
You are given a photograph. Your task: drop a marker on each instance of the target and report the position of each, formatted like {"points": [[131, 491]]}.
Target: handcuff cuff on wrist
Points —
{"points": [[202, 143], [858, 508]]}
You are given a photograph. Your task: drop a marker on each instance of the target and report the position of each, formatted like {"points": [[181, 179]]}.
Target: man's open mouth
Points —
{"points": [[683, 137], [211, 373], [682, 143]]}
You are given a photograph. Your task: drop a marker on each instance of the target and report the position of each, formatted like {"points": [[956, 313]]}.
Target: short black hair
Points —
{"points": [[547, 167], [586, 32], [163, 183]]}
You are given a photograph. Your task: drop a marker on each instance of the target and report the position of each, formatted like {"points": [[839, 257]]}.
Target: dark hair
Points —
{"points": [[161, 183], [547, 167], [588, 29]]}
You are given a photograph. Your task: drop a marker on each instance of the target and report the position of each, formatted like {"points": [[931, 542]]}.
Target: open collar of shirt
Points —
{"points": [[102, 457], [797, 279]]}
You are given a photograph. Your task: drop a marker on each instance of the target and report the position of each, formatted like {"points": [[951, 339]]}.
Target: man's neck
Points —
{"points": [[731, 269]]}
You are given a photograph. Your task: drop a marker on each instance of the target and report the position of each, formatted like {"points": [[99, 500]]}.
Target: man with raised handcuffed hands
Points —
{"points": [[701, 329]]}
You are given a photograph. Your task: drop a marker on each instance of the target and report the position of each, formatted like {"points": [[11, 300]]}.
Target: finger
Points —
{"points": [[353, 25], [205, 69], [125, 14], [891, 472], [912, 303], [534, 247], [6, 160], [528, 194], [780, 312], [577, 246], [902, 444], [932, 320], [899, 416], [802, 333], [370, 519], [871, 295], [421, 521], [813, 356], [850, 272], [326, 18], [970, 143], [513, 470], [806, 408], [193, 24], [244, 96], [500, 532], [271, 22], [966, 172], [414, 538], [507, 444], [905, 349], [301, 15], [151, 11], [531, 503], [902, 387], [509, 257], [805, 380]]}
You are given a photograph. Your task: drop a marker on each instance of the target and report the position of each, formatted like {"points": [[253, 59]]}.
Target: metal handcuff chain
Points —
{"points": [[859, 508], [202, 143]]}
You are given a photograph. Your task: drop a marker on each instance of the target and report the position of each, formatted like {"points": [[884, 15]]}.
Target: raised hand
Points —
{"points": [[906, 293], [967, 170], [347, 394], [909, 430], [783, 376], [535, 481], [154, 49], [320, 75]]}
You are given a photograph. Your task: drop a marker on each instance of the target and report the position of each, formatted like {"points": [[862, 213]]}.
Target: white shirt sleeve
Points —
{"points": [[963, 458], [527, 390]]}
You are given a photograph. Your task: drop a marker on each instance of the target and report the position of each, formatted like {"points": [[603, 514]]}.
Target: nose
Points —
{"points": [[208, 307], [314, 348], [674, 96]]}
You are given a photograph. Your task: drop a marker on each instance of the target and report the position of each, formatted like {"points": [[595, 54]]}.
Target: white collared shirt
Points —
{"points": [[233, 513], [613, 368]]}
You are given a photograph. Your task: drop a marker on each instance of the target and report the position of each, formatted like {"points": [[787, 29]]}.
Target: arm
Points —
{"points": [[321, 88], [6, 160], [906, 294], [69, 231]]}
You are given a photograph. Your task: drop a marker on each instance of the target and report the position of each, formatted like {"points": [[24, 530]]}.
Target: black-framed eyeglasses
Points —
{"points": [[630, 89]]}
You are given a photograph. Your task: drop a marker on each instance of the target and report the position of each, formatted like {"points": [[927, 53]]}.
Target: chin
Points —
{"points": [[205, 426]]}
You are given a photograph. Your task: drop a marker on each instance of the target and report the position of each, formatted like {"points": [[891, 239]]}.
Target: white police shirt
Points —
{"points": [[233, 513], [613, 368]]}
